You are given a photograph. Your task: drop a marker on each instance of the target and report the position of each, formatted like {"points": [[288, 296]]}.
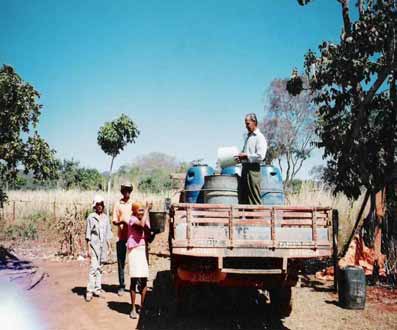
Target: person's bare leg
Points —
{"points": [[143, 296], [133, 314], [133, 295]]}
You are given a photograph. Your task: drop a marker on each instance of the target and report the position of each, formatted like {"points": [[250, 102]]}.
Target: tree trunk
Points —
{"points": [[109, 184]]}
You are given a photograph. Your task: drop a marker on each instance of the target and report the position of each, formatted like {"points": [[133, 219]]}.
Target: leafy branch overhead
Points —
{"points": [[355, 81], [21, 147], [114, 136]]}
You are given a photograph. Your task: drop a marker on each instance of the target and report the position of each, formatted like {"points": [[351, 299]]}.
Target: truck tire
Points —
{"points": [[184, 302], [281, 301]]}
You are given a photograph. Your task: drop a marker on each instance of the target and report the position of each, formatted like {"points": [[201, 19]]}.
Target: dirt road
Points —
{"points": [[58, 302]]}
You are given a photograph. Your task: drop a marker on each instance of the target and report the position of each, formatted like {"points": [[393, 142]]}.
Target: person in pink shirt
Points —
{"points": [[138, 228]]}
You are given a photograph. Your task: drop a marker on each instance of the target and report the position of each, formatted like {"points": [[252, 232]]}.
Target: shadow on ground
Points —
{"points": [[316, 285], [121, 307], [207, 307], [79, 290], [10, 261]]}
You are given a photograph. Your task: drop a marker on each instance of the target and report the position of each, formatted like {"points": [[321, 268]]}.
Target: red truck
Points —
{"points": [[253, 246]]}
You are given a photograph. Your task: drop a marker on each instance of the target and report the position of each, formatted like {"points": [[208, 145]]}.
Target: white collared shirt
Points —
{"points": [[255, 146]]}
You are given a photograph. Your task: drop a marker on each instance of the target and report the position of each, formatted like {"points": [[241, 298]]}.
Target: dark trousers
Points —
{"points": [[121, 255], [250, 184]]}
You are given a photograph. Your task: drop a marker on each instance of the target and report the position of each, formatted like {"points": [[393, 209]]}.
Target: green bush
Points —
{"points": [[24, 231], [155, 182]]}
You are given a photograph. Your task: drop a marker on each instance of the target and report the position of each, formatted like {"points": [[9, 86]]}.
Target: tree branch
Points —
{"points": [[361, 7], [346, 17], [368, 98], [279, 164]]}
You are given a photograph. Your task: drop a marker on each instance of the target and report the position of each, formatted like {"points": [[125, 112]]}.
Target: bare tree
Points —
{"points": [[289, 126]]}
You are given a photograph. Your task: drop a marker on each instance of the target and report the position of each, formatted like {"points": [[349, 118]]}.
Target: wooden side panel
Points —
{"points": [[213, 225]]}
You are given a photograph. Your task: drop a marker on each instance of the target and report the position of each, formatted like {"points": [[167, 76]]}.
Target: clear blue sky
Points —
{"points": [[185, 71]]}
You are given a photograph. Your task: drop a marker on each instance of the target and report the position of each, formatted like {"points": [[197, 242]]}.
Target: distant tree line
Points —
{"points": [[148, 173], [69, 174], [151, 172]]}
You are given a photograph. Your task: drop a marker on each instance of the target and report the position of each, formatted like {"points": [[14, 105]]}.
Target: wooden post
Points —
{"points": [[314, 228], [273, 227], [55, 210], [189, 225], [13, 211], [335, 230], [231, 234]]}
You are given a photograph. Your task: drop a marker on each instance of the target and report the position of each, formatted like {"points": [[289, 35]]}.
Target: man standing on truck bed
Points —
{"points": [[251, 157], [122, 211]]}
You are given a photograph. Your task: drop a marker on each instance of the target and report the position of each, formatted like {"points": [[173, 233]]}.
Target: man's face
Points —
{"points": [[250, 125], [126, 193], [99, 207]]}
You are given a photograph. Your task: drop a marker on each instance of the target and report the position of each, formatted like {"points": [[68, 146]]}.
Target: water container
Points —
{"points": [[231, 170], [351, 287], [195, 181], [157, 221], [221, 189], [272, 192]]}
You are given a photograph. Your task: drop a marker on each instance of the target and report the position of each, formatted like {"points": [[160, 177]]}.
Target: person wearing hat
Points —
{"points": [[122, 211], [251, 157], [98, 235], [138, 229]]}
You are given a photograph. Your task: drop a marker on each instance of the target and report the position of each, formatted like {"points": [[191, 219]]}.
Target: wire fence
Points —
{"points": [[16, 210]]}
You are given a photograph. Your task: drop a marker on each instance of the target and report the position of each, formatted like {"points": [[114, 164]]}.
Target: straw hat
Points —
{"points": [[98, 199]]}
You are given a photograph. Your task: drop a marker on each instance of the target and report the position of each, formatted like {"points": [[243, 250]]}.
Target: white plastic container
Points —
{"points": [[226, 156]]}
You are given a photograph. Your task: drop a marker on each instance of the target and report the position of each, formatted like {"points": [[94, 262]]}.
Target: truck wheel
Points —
{"points": [[184, 300], [281, 301]]}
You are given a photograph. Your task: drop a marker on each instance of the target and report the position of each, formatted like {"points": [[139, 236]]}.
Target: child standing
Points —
{"points": [[98, 236], [138, 225]]}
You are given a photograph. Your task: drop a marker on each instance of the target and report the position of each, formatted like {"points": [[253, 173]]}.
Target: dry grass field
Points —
{"points": [[57, 215]]}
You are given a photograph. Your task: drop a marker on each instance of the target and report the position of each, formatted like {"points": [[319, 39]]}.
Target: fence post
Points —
{"points": [[55, 210], [335, 230], [13, 211]]}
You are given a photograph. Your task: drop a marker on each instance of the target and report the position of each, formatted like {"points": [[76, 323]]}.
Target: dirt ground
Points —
{"points": [[57, 302]]}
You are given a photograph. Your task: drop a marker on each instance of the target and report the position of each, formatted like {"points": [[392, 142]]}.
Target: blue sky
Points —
{"points": [[186, 71]]}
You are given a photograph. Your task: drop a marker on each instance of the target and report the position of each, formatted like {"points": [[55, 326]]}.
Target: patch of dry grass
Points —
{"points": [[53, 203], [50, 204], [320, 196]]}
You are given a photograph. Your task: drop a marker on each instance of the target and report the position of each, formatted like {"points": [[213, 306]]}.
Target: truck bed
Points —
{"points": [[221, 231]]}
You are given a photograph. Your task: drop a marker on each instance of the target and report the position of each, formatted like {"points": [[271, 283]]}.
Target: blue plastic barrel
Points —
{"points": [[194, 182], [272, 192], [230, 170]]}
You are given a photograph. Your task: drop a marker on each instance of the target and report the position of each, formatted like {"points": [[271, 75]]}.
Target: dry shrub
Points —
{"points": [[310, 195], [59, 215], [71, 227], [56, 202]]}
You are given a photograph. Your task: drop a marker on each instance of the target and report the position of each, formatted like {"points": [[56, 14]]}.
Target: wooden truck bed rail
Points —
{"points": [[251, 230]]}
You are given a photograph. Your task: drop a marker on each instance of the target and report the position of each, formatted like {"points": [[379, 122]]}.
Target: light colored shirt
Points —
{"points": [[255, 147], [136, 234], [122, 211], [98, 232]]}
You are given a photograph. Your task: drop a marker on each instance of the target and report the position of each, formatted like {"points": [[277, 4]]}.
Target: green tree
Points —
{"points": [[21, 147], [113, 137], [72, 175], [355, 79], [355, 82], [152, 172]]}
